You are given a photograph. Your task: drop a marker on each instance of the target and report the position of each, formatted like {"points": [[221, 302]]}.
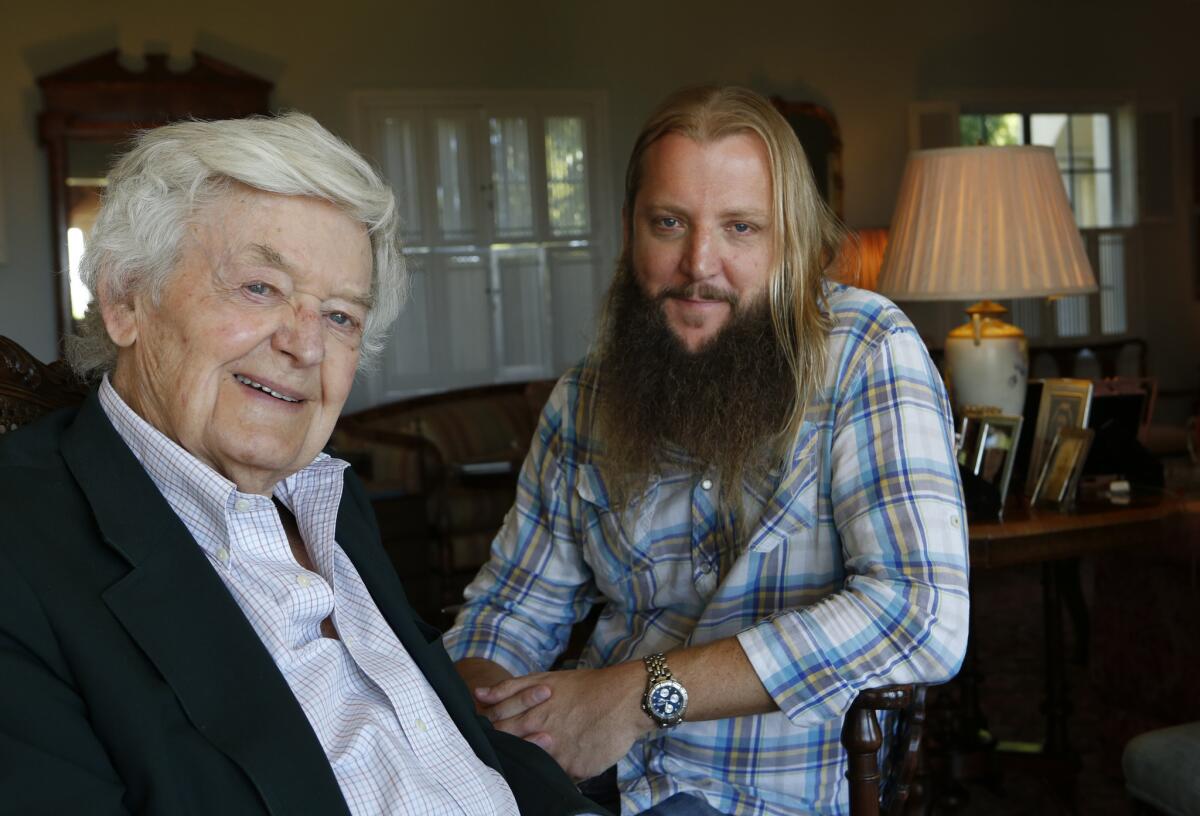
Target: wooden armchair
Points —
{"points": [[29, 388], [862, 738]]}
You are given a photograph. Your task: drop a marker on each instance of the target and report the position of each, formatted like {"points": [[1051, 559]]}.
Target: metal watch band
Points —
{"points": [[656, 668]]}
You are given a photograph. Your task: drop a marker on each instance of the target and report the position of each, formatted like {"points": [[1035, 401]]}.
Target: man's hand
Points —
{"points": [[586, 719]]}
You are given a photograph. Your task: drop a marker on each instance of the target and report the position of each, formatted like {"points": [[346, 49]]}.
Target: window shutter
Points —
{"points": [[933, 124], [1157, 146]]}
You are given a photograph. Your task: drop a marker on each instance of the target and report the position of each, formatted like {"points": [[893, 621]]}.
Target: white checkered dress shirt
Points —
{"points": [[392, 746]]}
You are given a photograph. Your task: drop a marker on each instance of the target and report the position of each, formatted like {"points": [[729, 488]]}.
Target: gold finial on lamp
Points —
{"points": [[984, 223]]}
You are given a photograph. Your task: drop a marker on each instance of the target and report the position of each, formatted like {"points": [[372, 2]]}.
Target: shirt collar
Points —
{"points": [[201, 497]]}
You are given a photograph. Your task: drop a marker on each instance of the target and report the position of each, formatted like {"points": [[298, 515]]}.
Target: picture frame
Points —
{"points": [[996, 451], [1059, 477], [965, 437], [1065, 404], [966, 433]]}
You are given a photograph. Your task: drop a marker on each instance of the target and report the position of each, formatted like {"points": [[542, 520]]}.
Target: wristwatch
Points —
{"points": [[665, 700]]}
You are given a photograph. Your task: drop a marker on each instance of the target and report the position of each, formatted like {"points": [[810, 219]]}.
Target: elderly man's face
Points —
{"points": [[702, 231], [248, 358]]}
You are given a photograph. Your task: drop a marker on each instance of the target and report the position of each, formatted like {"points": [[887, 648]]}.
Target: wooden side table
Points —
{"points": [[1055, 540]]}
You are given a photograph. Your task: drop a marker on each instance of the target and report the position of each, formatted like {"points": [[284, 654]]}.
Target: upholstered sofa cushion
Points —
{"points": [[463, 426], [1162, 769]]}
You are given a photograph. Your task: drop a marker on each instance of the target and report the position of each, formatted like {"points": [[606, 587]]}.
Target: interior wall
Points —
{"points": [[866, 61]]}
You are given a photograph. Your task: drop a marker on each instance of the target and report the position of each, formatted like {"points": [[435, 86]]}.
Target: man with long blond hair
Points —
{"points": [[753, 472]]}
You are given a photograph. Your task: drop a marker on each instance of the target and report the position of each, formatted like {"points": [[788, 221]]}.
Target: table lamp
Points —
{"points": [[984, 223]]}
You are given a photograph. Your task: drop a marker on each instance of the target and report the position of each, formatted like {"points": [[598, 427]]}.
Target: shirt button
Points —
{"points": [[954, 522], [241, 505], [223, 555], [706, 484], [421, 725], [303, 580]]}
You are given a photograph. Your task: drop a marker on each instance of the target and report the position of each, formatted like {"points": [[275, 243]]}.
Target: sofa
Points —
{"points": [[441, 470]]}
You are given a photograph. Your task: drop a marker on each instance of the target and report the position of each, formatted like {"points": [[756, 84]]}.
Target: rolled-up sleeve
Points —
{"points": [[901, 615]]}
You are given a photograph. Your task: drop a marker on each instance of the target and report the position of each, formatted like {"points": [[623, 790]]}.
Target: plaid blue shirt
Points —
{"points": [[852, 573]]}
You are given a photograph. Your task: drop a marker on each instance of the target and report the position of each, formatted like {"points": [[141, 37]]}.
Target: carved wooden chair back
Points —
{"points": [[29, 388]]}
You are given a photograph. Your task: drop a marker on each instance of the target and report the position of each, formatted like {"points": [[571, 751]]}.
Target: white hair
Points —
{"points": [[173, 172]]}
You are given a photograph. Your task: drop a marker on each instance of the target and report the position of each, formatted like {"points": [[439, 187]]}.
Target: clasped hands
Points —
{"points": [[586, 719]]}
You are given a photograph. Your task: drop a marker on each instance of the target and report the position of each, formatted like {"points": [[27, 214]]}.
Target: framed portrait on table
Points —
{"points": [[1065, 404], [996, 450], [1059, 479], [965, 437], [966, 434]]}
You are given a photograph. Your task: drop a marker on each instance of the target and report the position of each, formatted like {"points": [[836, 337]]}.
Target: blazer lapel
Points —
{"points": [[181, 615]]}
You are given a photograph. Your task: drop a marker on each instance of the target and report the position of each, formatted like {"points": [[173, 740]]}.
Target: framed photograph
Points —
{"points": [[966, 434], [965, 437], [1060, 474], [1065, 404], [996, 450]]}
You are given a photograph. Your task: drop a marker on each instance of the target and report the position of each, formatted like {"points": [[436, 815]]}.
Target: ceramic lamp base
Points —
{"points": [[987, 363]]}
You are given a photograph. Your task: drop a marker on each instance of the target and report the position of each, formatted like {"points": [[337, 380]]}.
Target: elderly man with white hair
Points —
{"points": [[196, 615]]}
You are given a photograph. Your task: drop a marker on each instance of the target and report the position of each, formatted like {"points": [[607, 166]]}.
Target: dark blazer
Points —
{"points": [[129, 678]]}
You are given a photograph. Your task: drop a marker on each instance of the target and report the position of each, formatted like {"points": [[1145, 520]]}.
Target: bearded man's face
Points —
{"points": [[701, 235]]}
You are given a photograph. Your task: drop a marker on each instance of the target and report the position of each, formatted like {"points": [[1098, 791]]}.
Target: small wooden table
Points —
{"points": [[1055, 539], [1034, 535]]}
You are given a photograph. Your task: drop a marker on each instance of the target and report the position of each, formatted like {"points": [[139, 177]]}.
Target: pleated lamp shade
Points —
{"points": [[984, 223]]}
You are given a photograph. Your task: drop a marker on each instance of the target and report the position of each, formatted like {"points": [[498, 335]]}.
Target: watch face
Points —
{"points": [[667, 701]]}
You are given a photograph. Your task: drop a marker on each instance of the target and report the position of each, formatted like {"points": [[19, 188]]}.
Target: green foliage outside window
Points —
{"points": [[994, 129]]}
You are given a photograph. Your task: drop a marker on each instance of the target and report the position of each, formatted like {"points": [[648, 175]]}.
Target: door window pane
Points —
{"points": [[1050, 130], [1005, 129], [468, 302], [522, 287], [409, 344], [994, 129], [1091, 147], [511, 184], [1072, 315], [1111, 272], [396, 138], [455, 198], [573, 288], [1092, 199], [566, 176]]}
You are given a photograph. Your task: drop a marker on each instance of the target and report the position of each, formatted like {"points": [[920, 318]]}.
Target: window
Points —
{"points": [[505, 223], [1085, 146]]}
